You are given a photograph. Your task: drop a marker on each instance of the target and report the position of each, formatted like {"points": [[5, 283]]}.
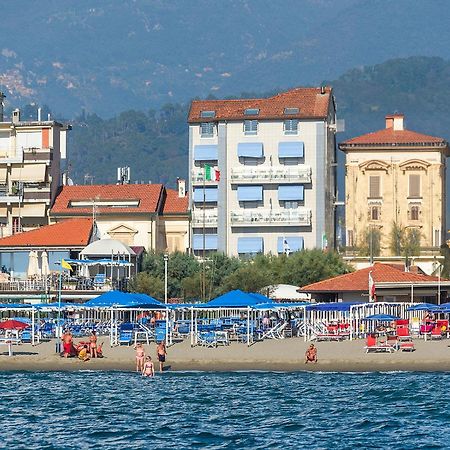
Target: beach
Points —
{"points": [[269, 355]]}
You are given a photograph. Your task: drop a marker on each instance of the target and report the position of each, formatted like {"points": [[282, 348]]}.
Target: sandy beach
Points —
{"points": [[269, 355]]}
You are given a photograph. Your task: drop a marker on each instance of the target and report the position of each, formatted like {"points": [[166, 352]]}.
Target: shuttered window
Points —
{"points": [[207, 129], [374, 186], [250, 126], [414, 186]]}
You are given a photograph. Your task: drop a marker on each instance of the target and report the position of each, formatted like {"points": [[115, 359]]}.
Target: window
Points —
{"points": [[250, 126], [375, 213], [251, 112], [207, 114], [374, 187], [350, 238], [290, 126], [290, 204], [414, 212], [289, 111], [207, 129], [414, 186]]}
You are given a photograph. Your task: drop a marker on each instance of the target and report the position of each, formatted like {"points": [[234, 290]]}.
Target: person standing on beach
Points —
{"points": [[311, 354], [149, 369], [140, 357], [93, 344], [161, 353], [68, 349]]}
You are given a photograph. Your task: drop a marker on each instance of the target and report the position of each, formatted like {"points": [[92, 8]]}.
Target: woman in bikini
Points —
{"points": [[140, 357], [93, 344], [148, 369]]}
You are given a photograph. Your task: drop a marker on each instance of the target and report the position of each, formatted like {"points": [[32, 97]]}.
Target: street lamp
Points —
{"points": [[166, 260]]}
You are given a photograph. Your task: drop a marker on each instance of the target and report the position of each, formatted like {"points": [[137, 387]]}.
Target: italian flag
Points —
{"points": [[212, 173]]}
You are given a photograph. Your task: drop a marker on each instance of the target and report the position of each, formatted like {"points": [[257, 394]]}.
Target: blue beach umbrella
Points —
{"points": [[423, 307], [381, 318]]}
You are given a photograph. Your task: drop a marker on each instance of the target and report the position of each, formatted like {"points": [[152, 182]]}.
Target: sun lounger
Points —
{"points": [[372, 345], [329, 337], [403, 333], [275, 332], [222, 338], [436, 333], [407, 346], [126, 337], [207, 339]]}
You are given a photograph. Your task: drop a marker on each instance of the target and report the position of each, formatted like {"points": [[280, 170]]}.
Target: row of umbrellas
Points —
{"points": [[33, 264]]}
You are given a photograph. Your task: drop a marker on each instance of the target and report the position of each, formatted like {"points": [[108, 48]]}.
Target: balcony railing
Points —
{"points": [[300, 217], [210, 218], [197, 177], [277, 174]]}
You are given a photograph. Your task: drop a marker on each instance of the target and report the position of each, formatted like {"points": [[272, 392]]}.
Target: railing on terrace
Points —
{"points": [[272, 217], [210, 218], [278, 174]]}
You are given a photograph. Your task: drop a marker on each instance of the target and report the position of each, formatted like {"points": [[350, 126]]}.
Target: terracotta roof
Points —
{"points": [[310, 102], [173, 204], [148, 196], [71, 233], [391, 137], [359, 280]]}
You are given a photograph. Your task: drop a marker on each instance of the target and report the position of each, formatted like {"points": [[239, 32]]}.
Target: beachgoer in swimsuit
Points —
{"points": [[161, 353], [68, 349], [140, 357], [100, 350], [148, 369], [93, 344], [83, 353], [311, 354]]}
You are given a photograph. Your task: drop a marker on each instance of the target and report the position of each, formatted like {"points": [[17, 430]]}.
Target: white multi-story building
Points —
{"points": [[31, 155], [276, 158]]}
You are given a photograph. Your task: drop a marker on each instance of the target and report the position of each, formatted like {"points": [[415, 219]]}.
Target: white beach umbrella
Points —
{"points": [[45, 268], [33, 264]]}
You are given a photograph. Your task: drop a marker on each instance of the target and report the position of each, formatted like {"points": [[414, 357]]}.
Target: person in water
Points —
{"points": [[161, 353], [311, 354], [148, 370], [140, 357], [93, 344]]}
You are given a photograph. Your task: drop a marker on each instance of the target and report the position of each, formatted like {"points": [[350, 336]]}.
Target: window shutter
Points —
{"points": [[414, 186], [374, 186]]}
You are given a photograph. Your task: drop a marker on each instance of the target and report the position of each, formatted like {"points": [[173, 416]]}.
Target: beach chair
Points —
{"points": [[407, 346], [275, 332], [99, 280], [372, 345], [436, 333], [403, 333], [207, 339], [222, 338]]}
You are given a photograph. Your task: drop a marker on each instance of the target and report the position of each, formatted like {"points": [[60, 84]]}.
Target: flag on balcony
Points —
{"points": [[372, 294], [212, 173]]}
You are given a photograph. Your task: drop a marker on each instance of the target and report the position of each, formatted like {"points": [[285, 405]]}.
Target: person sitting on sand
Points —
{"points": [[311, 354], [140, 357], [161, 353], [93, 344], [100, 350], [148, 369], [83, 353]]}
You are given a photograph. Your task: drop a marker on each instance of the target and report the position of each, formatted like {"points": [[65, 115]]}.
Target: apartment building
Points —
{"points": [[396, 176], [276, 158], [30, 160]]}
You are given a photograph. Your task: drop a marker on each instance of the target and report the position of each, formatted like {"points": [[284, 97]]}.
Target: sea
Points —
{"points": [[235, 410]]}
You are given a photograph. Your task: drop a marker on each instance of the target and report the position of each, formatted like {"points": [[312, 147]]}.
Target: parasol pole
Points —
{"points": [[58, 332]]}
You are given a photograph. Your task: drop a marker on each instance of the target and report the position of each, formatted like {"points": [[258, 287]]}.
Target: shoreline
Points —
{"points": [[268, 356]]}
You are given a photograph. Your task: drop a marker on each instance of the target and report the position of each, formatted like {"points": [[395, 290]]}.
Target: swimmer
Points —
{"points": [[148, 369]]}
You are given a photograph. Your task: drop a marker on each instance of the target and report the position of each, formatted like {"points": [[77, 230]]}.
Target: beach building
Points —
{"points": [[395, 195], [391, 284], [31, 154], [143, 216], [262, 173]]}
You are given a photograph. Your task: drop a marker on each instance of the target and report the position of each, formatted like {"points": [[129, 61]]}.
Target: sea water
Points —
{"points": [[246, 410]]}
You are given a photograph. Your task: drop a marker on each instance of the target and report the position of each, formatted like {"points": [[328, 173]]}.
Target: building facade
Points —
{"points": [[30, 160], [276, 158], [395, 180]]}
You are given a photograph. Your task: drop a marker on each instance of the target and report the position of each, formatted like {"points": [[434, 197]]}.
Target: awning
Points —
{"points": [[28, 173], [3, 212], [250, 150], [250, 245], [250, 193], [210, 195], [30, 210], [232, 299], [290, 244], [205, 153], [338, 306], [210, 241], [291, 149], [291, 192]]}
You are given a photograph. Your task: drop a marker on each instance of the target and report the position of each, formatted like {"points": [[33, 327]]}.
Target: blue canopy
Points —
{"points": [[337, 306], [382, 317], [125, 300], [233, 299], [423, 307]]}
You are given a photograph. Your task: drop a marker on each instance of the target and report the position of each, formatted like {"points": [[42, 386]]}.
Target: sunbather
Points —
{"points": [[311, 354], [140, 357], [93, 344], [83, 353]]}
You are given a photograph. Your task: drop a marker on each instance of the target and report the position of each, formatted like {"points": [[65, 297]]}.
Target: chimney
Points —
{"points": [[181, 186], [39, 114], [395, 121], [16, 116], [2, 105]]}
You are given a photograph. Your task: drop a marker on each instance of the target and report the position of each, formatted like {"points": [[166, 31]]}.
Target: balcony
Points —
{"points": [[299, 217], [210, 218], [37, 155], [274, 174], [8, 197], [198, 175]]}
